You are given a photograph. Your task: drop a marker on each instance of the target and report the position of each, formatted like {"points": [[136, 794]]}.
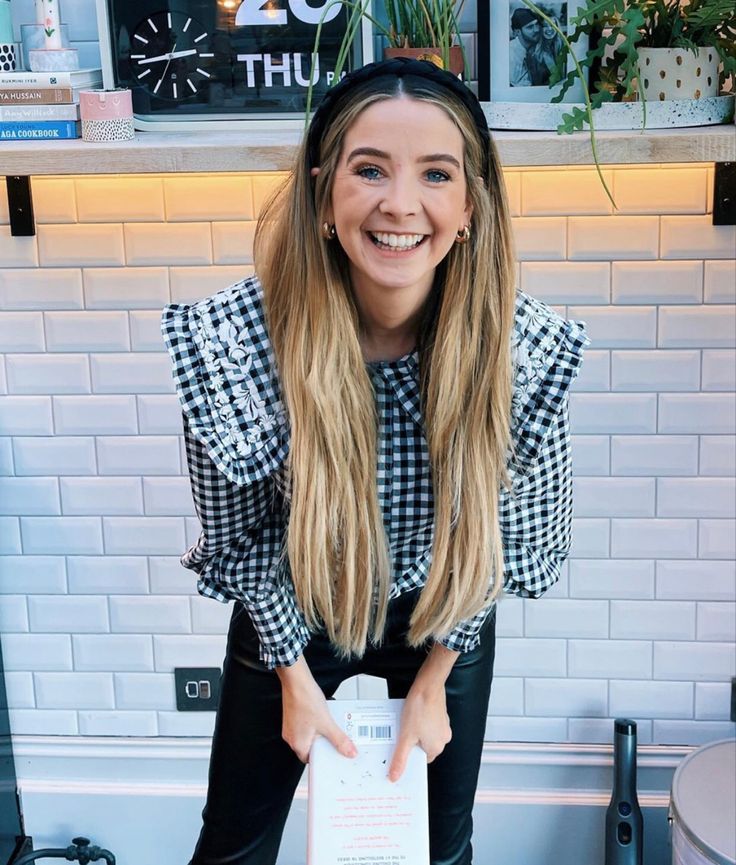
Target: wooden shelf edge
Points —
{"points": [[176, 152]]}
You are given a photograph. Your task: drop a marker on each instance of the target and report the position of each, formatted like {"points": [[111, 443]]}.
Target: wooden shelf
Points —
{"points": [[254, 150]]}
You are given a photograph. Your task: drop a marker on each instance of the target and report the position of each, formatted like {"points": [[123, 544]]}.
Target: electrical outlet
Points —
{"points": [[197, 688]]}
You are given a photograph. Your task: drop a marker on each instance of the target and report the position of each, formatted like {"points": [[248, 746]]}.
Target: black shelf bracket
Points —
{"points": [[724, 194], [20, 205]]}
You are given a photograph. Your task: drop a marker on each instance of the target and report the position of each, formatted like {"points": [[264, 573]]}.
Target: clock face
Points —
{"points": [[170, 55], [217, 59]]}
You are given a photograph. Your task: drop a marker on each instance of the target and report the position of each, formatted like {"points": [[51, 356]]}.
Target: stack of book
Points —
{"points": [[43, 105]]}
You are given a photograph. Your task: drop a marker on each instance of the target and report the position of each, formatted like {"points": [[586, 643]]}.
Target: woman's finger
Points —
{"points": [[340, 740], [398, 763]]}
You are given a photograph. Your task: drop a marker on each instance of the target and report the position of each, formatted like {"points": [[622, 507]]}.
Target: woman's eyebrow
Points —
{"points": [[368, 151], [440, 157], [381, 154]]}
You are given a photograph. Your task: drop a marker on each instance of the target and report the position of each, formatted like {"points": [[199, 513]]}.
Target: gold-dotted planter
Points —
{"points": [[675, 73]]}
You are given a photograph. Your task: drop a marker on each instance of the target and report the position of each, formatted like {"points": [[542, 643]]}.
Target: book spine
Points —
{"points": [[35, 113], [41, 131], [50, 79], [37, 96]]}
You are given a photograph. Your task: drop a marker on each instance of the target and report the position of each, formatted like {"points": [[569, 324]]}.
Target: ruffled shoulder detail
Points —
{"points": [[547, 352], [224, 372]]}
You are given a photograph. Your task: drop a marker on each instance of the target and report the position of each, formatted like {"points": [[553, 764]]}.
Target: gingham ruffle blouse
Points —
{"points": [[237, 439]]}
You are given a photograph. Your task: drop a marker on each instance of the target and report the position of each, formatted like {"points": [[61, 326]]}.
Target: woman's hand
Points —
{"points": [[305, 713], [424, 719]]}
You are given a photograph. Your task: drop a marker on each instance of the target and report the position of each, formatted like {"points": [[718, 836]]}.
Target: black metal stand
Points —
{"points": [[78, 851], [24, 844]]}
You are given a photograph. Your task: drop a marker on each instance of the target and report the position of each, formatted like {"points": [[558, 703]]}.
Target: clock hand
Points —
{"points": [[154, 59], [173, 49], [172, 55], [176, 54]]}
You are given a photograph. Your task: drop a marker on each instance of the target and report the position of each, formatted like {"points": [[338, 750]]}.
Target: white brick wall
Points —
{"points": [[95, 509]]}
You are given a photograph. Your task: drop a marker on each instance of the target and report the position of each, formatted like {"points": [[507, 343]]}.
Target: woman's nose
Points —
{"points": [[401, 196]]}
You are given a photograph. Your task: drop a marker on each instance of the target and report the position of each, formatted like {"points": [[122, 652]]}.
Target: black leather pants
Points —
{"points": [[253, 773]]}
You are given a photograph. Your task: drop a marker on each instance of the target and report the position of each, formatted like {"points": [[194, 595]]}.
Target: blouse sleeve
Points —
{"points": [[536, 515], [223, 369], [234, 518], [466, 636], [236, 438]]}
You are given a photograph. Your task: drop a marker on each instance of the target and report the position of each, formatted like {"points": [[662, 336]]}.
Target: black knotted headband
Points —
{"points": [[398, 67]]}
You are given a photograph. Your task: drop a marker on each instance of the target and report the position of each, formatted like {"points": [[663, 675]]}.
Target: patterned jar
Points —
{"points": [[107, 115], [8, 57]]}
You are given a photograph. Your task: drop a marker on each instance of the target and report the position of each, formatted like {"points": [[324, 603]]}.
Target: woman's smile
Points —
{"points": [[387, 241]]}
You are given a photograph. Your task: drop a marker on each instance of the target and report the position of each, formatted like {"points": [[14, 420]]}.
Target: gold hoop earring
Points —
{"points": [[328, 231], [463, 235]]}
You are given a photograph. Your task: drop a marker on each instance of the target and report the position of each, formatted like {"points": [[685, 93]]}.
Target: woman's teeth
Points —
{"points": [[397, 241]]}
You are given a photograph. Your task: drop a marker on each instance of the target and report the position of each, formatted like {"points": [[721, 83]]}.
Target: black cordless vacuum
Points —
{"points": [[624, 820]]}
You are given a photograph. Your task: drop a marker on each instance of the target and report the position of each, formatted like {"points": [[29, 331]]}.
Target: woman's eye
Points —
{"points": [[370, 172], [437, 176]]}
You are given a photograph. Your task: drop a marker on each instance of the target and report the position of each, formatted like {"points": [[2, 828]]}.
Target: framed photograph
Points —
{"points": [[517, 49]]}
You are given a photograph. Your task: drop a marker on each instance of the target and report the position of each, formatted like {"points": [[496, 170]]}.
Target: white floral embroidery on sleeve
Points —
{"points": [[233, 393], [529, 366]]}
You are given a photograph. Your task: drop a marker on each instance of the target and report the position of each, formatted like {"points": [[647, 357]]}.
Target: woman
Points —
{"points": [[542, 57], [427, 468]]}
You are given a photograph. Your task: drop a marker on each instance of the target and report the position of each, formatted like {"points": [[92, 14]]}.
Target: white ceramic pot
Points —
{"points": [[702, 810], [676, 73]]}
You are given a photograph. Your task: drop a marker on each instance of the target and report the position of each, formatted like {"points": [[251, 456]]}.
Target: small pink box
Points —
{"points": [[107, 115]]}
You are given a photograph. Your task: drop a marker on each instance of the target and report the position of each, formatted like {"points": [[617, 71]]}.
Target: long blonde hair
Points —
{"points": [[336, 542]]}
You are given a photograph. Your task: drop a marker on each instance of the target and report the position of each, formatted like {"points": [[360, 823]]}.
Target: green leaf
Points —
{"points": [[424, 23]]}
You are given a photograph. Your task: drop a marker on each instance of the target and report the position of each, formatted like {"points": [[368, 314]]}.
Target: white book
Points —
{"points": [[15, 113], [356, 816], [76, 78]]}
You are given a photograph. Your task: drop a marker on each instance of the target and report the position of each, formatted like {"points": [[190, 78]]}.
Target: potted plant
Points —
{"points": [[637, 31], [573, 121], [632, 29], [426, 30]]}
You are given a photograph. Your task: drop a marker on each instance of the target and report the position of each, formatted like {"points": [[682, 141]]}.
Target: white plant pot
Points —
{"points": [[676, 73]]}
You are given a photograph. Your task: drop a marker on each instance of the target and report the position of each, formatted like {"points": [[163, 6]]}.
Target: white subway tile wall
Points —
{"points": [[53, 199], [9, 535], [95, 509], [720, 281], [120, 199]]}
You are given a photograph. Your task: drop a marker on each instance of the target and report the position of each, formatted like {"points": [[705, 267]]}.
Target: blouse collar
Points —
{"points": [[402, 376], [407, 364]]}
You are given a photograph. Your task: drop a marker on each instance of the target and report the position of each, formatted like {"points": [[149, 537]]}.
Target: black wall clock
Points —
{"points": [[169, 55], [203, 63]]}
